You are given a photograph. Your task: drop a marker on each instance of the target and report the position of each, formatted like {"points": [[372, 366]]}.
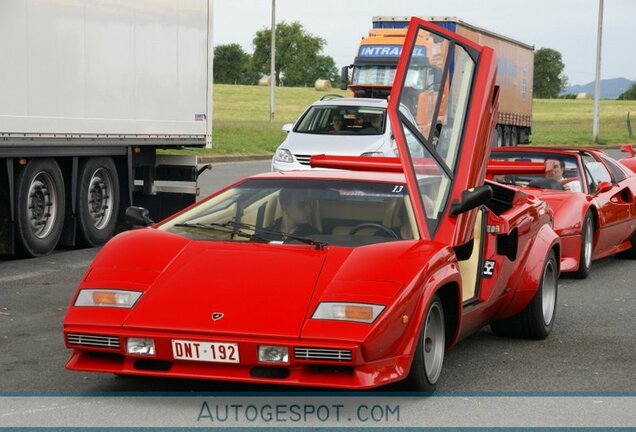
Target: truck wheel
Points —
{"points": [[585, 254], [97, 200], [429, 354], [39, 207], [500, 142], [536, 320]]}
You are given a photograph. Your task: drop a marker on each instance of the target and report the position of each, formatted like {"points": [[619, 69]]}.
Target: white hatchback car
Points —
{"points": [[337, 126]]}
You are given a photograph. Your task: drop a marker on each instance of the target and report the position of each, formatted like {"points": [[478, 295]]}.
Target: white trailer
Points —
{"points": [[89, 91]]}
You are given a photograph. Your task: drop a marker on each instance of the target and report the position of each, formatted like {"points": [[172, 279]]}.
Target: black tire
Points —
{"points": [[40, 207], [97, 201], [587, 243], [537, 319], [429, 354]]}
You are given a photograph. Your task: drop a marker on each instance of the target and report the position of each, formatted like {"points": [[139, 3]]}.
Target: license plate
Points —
{"points": [[205, 351]]}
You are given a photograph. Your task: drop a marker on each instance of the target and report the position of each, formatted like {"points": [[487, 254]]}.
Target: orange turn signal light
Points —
{"points": [[357, 312], [104, 298]]}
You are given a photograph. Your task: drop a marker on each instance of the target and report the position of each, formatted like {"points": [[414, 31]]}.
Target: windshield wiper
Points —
{"points": [[240, 225], [225, 227]]}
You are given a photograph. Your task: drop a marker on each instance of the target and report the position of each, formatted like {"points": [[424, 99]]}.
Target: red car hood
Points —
{"points": [[260, 289], [257, 289]]}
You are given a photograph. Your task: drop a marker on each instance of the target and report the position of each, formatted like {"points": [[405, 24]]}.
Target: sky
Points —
{"points": [[568, 26]]}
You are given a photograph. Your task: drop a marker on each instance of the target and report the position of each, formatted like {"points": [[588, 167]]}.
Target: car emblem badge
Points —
{"points": [[217, 316]]}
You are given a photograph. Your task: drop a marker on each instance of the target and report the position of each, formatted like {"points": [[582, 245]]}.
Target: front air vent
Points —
{"points": [[303, 159], [322, 354], [93, 340]]}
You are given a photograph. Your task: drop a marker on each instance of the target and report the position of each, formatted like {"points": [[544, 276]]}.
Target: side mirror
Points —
{"points": [[138, 216], [344, 77], [471, 198], [287, 127], [603, 186]]}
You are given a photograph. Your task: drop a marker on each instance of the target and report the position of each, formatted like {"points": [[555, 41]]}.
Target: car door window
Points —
{"points": [[435, 94], [618, 173], [596, 171]]}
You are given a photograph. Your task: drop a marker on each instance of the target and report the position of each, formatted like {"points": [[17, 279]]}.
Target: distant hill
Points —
{"points": [[610, 88]]}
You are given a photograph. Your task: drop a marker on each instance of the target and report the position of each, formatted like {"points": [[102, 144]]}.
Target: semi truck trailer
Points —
{"points": [[90, 92], [373, 69]]}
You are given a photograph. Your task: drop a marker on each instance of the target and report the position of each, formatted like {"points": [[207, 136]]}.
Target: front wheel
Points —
{"points": [[585, 254], [429, 354], [537, 319]]}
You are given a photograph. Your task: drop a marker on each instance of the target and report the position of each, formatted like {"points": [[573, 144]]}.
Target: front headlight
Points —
{"points": [[283, 155], [107, 298], [359, 312]]}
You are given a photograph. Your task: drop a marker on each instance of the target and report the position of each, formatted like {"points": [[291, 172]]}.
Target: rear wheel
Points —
{"points": [[585, 254], [429, 354], [98, 201], [39, 207], [631, 252], [537, 319]]}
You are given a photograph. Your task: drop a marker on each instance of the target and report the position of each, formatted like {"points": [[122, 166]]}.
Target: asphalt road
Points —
{"points": [[592, 347]]}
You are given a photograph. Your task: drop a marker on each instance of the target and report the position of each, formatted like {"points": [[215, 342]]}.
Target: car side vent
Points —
{"points": [[93, 340], [322, 354], [303, 159], [501, 200]]}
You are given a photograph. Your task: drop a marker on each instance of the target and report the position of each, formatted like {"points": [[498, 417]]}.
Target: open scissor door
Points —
{"points": [[443, 106]]}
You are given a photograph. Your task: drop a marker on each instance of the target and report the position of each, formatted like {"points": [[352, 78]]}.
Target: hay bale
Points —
{"points": [[584, 96], [264, 81], [322, 85]]}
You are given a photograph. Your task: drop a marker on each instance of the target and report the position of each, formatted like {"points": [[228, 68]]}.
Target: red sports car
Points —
{"points": [[347, 279], [592, 195]]}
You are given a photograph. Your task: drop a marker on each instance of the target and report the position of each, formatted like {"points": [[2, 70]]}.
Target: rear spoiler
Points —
{"points": [[503, 167], [367, 163], [356, 163], [627, 148]]}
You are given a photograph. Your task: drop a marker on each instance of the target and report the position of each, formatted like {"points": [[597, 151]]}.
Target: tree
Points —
{"points": [[548, 73], [629, 94], [298, 57], [232, 65]]}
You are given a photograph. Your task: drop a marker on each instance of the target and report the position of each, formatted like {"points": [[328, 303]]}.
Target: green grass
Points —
{"points": [[241, 119], [569, 122]]}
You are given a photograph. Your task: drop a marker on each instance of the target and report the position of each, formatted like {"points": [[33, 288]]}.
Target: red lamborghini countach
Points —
{"points": [[353, 278], [592, 195]]}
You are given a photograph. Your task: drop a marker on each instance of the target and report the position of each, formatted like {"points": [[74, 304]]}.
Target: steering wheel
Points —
{"points": [[546, 183], [377, 226]]}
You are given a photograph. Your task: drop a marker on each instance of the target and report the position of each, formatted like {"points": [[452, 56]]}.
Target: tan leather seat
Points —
{"points": [[469, 268]]}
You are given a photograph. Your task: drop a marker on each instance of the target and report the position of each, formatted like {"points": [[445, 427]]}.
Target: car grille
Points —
{"points": [[93, 340], [303, 159], [322, 354]]}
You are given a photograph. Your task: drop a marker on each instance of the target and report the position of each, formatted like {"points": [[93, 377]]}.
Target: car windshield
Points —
{"points": [[334, 212], [343, 120], [374, 74], [561, 171]]}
